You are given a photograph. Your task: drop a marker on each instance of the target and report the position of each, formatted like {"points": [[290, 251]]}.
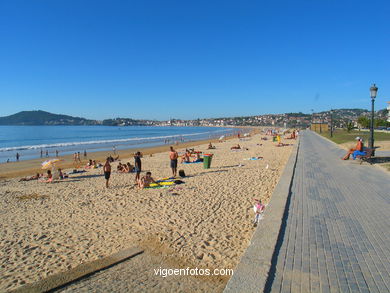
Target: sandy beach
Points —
{"points": [[205, 222]]}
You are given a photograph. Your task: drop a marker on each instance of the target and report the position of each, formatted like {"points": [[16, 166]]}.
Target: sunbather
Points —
{"points": [[236, 147], [359, 147], [146, 180], [35, 177]]}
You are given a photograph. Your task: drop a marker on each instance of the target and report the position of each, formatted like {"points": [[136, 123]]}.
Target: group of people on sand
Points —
{"points": [[191, 156], [48, 178], [128, 168]]}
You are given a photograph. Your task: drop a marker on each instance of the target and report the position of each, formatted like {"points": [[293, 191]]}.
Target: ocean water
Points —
{"points": [[28, 141]]}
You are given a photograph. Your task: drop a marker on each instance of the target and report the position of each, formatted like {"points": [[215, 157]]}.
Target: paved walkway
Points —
{"points": [[337, 237]]}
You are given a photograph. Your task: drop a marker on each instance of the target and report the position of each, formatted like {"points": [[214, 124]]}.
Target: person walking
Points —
{"points": [[56, 153], [137, 166], [17, 157], [107, 171], [47, 153], [173, 155]]}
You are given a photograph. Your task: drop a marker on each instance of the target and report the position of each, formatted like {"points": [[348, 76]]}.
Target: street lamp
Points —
{"points": [[373, 91]]}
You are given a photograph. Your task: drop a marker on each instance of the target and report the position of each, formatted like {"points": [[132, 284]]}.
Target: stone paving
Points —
{"points": [[337, 236]]}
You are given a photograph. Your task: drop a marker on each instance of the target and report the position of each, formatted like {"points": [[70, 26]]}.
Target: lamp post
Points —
{"points": [[373, 91]]}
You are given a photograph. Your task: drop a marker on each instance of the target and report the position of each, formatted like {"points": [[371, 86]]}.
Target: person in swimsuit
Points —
{"points": [[173, 155], [107, 171], [146, 180], [137, 166]]}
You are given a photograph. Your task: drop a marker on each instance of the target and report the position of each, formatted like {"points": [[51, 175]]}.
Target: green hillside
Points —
{"points": [[43, 118]]}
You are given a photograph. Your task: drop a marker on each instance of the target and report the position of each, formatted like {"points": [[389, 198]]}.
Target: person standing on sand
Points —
{"points": [[107, 171], [17, 157], [85, 154], [173, 155], [137, 166], [41, 153], [47, 153]]}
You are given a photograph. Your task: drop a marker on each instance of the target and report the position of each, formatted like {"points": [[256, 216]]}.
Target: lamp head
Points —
{"points": [[373, 91]]}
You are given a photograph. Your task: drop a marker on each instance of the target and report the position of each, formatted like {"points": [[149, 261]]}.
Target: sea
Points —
{"points": [[34, 141]]}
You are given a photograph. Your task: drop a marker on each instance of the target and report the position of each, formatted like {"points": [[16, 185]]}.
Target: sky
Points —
{"points": [[192, 59]]}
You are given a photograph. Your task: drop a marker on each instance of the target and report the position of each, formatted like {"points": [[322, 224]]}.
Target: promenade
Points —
{"points": [[337, 234]]}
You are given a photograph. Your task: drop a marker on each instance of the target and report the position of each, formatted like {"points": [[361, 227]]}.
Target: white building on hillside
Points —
{"points": [[388, 113]]}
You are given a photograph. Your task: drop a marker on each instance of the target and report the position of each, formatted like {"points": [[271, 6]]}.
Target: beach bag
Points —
{"points": [[182, 174]]}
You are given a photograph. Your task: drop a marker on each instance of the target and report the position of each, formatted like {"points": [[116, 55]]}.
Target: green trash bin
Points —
{"points": [[207, 160]]}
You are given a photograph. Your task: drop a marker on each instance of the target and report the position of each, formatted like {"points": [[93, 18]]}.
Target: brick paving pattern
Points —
{"points": [[337, 236]]}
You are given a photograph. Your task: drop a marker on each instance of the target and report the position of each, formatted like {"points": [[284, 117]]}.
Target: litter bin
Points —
{"points": [[207, 160]]}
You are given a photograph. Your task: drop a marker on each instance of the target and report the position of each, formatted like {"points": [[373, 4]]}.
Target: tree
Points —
{"points": [[364, 121], [349, 126]]}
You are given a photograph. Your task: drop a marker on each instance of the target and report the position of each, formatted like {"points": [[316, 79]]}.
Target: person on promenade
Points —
{"points": [[173, 155], [146, 180], [137, 166], [107, 171], [359, 147], [258, 208]]}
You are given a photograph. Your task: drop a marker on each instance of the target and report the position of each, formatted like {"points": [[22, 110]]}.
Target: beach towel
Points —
{"points": [[254, 159]]}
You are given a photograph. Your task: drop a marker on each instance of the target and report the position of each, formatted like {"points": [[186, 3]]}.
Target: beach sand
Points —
{"points": [[205, 222]]}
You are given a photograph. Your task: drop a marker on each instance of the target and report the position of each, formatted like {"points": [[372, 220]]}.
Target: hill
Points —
{"points": [[43, 118]]}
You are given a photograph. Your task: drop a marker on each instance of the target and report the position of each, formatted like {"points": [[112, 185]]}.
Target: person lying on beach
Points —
{"points": [[210, 147], [236, 147], [35, 177], [119, 168], [146, 180]]}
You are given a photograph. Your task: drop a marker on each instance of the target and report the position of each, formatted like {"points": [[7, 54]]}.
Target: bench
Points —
{"points": [[366, 157]]}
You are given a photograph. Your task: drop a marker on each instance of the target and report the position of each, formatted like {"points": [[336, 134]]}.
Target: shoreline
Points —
{"points": [[31, 167]]}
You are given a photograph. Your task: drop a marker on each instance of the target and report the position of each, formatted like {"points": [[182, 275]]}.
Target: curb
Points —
{"points": [[254, 268], [62, 279]]}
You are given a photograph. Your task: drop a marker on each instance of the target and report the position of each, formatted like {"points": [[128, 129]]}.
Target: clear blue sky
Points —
{"points": [[190, 59]]}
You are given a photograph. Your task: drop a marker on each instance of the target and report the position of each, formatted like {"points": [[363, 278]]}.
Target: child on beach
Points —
{"points": [[258, 208]]}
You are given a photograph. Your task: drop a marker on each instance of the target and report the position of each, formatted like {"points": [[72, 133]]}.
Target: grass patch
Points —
{"points": [[342, 136]]}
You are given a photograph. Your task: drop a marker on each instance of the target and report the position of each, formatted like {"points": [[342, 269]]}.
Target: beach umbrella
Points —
{"points": [[49, 163]]}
